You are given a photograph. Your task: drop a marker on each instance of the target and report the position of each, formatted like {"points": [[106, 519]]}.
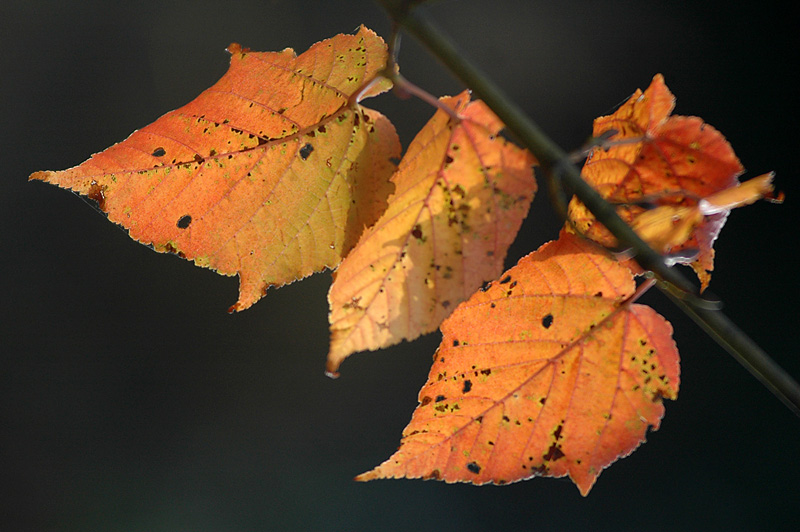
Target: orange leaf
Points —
{"points": [[271, 174], [669, 226], [548, 372], [460, 196], [654, 158]]}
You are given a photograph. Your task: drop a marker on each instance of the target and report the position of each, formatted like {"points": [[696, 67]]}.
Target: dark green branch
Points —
{"points": [[561, 169]]}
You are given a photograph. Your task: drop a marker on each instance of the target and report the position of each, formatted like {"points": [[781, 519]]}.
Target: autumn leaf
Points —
{"points": [[668, 227], [461, 193], [271, 174], [652, 160], [550, 371]]}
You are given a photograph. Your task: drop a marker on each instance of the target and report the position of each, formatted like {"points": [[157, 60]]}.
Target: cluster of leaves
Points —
{"points": [[277, 171]]}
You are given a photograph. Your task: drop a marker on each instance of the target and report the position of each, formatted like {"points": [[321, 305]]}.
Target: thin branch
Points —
{"points": [[743, 349], [554, 160]]}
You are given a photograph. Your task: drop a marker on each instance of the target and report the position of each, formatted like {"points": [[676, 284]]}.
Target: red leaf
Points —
{"points": [[654, 158]]}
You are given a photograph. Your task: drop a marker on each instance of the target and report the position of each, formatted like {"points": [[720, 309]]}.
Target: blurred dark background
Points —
{"points": [[130, 400]]}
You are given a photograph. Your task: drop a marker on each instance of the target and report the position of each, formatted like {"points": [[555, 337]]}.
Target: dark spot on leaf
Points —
{"points": [[445, 304], [425, 400], [159, 152], [485, 287], [305, 151], [467, 386], [448, 160], [198, 158], [543, 400], [599, 294], [486, 372], [417, 232], [474, 467], [557, 432], [553, 453], [435, 475], [455, 343], [505, 279], [507, 419], [97, 193], [184, 222], [547, 321], [440, 398]]}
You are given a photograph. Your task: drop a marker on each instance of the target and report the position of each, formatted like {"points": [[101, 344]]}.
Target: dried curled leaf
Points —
{"points": [[654, 160], [461, 193], [550, 371], [271, 174]]}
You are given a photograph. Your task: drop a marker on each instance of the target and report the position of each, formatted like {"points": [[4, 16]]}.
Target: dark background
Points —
{"points": [[130, 400]]}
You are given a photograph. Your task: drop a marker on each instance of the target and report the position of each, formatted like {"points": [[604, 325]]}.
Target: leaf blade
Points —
{"points": [[659, 159], [461, 194], [540, 378], [272, 173]]}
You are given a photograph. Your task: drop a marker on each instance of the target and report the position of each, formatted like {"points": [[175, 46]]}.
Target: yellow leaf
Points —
{"points": [[461, 193]]}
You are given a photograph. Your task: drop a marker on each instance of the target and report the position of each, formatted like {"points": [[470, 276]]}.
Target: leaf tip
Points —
{"points": [[332, 365], [365, 477], [40, 176], [236, 48]]}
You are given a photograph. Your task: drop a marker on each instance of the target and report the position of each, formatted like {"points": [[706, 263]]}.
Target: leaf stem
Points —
{"points": [[403, 85], [554, 160]]}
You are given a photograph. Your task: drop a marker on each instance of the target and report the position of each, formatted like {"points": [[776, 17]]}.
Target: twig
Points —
{"points": [[554, 160]]}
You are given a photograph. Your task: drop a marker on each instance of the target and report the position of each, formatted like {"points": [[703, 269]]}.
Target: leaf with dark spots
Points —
{"points": [[248, 218], [535, 378], [430, 246]]}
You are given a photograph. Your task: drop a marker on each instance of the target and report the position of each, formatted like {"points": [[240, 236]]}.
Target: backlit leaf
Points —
{"points": [[461, 193], [548, 372], [655, 159], [271, 174]]}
